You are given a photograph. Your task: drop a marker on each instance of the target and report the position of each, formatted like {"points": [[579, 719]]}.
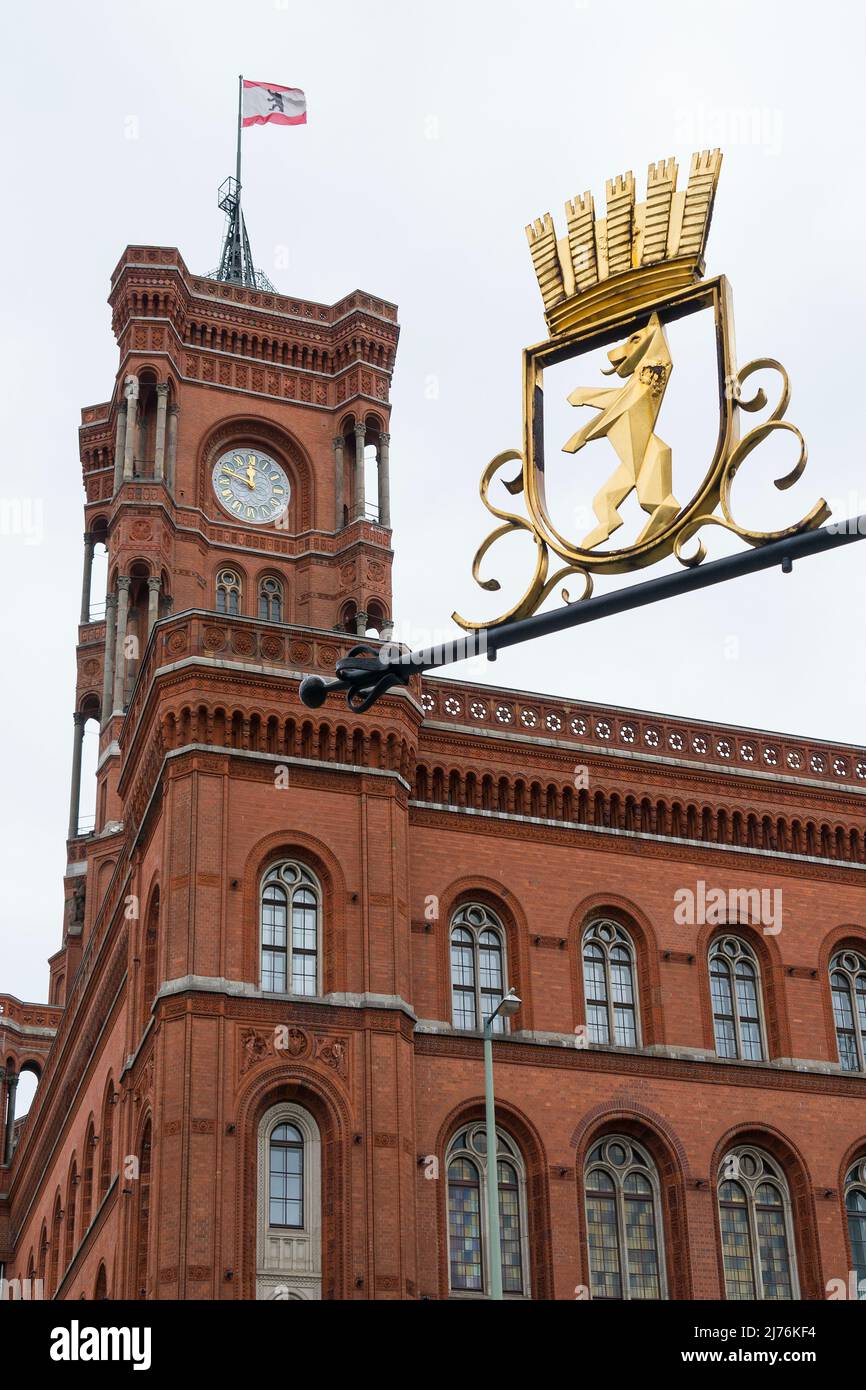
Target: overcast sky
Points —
{"points": [[436, 132]]}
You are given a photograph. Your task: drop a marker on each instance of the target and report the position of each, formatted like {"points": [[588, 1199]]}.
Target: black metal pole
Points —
{"points": [[366, 674]]}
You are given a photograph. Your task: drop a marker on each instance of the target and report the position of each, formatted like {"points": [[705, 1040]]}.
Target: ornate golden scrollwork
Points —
{"points": [[627, 274]]}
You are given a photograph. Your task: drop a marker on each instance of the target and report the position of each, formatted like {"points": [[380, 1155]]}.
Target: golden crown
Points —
{"points": [[633, 257]]}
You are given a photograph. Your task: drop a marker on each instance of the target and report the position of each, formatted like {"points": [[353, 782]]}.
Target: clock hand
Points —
{"points": [[231, 474]]}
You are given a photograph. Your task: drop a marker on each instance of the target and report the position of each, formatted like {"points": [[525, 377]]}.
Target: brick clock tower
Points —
{"points": [[239, 479]]}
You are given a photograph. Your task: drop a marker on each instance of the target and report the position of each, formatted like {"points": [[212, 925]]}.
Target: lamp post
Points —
{"points": [[506, 1006]]}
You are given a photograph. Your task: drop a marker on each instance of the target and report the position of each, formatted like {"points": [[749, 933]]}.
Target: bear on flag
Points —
{"points": [[266, 101]]}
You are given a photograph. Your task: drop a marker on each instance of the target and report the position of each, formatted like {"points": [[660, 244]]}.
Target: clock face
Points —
{"points": [[250, 486]]}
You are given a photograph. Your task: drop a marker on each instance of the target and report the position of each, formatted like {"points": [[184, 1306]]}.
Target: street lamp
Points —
{"points": [[506, 1006]]}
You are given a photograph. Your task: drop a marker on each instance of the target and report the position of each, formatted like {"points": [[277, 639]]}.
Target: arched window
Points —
{"points": [[286, 1177], [100, 1289], [228, 592], [477, 967], [289, 1224], [88, 1159], [609, 985], [735, 982], [56, 1242], [855, 1210], [623, 1221], [71, 1200], [755, 1221], [271, 600], [142, 1215], [290, 918], [848, 983], [106, 1140], [468, 1253]]}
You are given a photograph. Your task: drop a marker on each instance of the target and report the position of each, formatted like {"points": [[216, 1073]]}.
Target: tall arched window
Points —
{"points": [[289, 1207], [477, 967], [71, 1202], [609, 985], [848, 983], [290, 919], [88, 1159], [735, 983], [142, 1215], [271, 600], [106, 1140], [228, 592], [468, 1253], [757, 1232], [56, 1243], [855, 1210], [623, 1221]]}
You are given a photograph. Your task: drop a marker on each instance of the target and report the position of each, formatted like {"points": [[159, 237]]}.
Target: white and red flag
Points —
{"points": [[266, 101]]}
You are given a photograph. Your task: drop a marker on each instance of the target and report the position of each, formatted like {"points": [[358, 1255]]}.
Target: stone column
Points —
{"points": [[384, 481], [119, 446], [108, 659], [159, 452], [85, 579], [11, 1087], [123, 585], [153, 586], [360, 624], [360, 507], [75, 788], [339, 444], [172, 446], [130, 390]]}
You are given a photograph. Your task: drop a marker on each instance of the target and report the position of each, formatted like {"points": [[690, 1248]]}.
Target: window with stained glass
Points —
{"points": [[467, 1214], [855, 1210], [623, 1221], [756, 1229]]}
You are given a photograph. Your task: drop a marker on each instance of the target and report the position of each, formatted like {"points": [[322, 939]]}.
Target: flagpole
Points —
{"points": [[237, 246]]}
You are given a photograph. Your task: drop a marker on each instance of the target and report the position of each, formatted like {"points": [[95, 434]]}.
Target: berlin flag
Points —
{"points": [[266, 101]]}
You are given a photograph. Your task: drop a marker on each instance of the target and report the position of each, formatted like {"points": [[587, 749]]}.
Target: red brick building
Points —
{"points": [[261, 1070]]}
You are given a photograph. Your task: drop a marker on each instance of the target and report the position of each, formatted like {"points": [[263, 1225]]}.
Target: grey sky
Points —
{"points": [[436, 132]]}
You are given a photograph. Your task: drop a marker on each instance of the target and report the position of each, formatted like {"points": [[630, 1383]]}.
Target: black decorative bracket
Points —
{"points": [[367, 672]]}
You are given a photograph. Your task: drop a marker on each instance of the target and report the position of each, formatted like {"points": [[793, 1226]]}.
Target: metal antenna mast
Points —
{"points": [[236, 260]]}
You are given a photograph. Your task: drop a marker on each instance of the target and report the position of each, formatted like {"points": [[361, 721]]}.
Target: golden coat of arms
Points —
{"points": [[617, 282]]}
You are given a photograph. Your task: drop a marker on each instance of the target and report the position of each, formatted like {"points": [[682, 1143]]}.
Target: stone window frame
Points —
{"points": [[591, 935], [304, 1280], [745, 953], [637, 1159], [462, 920], [460, 1146], [769, 1171]]}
